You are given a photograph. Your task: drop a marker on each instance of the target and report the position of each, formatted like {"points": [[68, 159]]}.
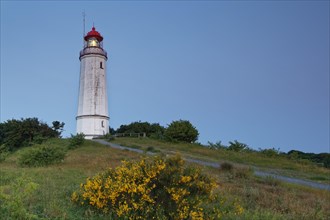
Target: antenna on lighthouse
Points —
{"points": [[84, 15]]}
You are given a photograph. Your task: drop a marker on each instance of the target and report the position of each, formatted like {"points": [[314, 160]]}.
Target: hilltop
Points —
{"points": [[262, 198]]}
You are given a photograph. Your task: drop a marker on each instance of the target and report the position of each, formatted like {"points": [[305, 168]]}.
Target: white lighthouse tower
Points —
{"points": [[93, 117]]}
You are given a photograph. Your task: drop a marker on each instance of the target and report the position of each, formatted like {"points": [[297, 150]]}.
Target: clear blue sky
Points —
{"points": [[255, 71]]}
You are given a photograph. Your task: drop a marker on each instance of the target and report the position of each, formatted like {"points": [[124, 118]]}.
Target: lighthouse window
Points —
{"points": [[102, 123], [101, 65], [93, 42]]}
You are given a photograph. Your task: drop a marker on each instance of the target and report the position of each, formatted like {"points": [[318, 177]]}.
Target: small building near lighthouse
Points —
{"points": [[93, 117]]}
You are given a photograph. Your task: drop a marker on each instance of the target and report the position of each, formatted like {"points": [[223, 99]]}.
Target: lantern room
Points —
{"points": [[93, 39]]}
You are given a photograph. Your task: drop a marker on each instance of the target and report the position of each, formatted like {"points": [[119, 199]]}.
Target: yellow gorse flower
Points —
{"points": [[185, 179], [150, 189]]}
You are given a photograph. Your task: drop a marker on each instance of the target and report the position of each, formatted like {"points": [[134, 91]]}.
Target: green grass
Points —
{"points": [[51, 199], [277, 165], [262, 198]]}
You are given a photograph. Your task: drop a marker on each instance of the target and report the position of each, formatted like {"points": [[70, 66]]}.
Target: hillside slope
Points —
{"points": [[44, 192], [266, 173], [275, 165]]}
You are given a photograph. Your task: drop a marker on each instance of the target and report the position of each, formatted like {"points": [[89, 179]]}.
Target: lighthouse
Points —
{"points": [[93, 118]]}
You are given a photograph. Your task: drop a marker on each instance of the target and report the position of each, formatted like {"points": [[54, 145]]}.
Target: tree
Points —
{"points": [[216, 146], [182, 130], [58, 127], [112, 131], [18, 133], [322, 158], [141, 127], [271, 152], [237, 146]]}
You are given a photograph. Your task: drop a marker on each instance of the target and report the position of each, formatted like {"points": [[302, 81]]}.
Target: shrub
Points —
{"points": [[237, 146], [19, 133], [237, 172], [76, 140], [152, 149], [41, 156], [243, 173], [271, 152], [153, 189], [108, 137], [320, 159], [154, 130], [15, 197], [226, 166], [271, 181], [216, 146], [4, 152], [182, 131]]}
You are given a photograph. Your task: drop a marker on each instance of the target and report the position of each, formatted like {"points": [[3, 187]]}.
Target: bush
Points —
{"points": [[271, 152], [108, 137], [182, 131], [226, 166], [76, 140], [152, 149], [216, 146], [237, 146], [155, 189], [152, 130], [271, 181], [4, 152], [243, 173], [19, 133], [240, 172], [41, 156], [15, 197], [321, 159]]}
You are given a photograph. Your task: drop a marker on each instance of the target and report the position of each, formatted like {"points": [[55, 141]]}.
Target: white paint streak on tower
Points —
{"points": [[93, 117]]}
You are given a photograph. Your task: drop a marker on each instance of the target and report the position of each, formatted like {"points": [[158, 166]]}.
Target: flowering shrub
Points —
{"points": [[153, 189]]}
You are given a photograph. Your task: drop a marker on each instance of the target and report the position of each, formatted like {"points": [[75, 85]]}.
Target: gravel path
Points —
{"points": [[257, 172]]}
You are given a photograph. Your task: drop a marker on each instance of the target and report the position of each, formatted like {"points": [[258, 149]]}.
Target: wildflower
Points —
{"points": [[149, 189]]}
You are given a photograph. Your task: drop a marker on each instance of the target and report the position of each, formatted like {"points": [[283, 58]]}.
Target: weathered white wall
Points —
{"points": [[92, 117], [92, 126]]}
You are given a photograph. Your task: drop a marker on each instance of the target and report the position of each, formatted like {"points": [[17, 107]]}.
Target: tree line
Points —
{"points": [[181, 130], [184, 131], [16, 133]]}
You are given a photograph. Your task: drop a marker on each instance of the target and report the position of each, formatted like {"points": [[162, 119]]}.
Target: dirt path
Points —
{"points": [[257, 171]]}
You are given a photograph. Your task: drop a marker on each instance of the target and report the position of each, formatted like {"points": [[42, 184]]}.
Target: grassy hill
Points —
{"points": [[44, 192], [277, 164]]}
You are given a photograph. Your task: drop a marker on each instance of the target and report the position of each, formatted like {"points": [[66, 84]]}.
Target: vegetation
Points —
{"points": [[226, 166], [182, 130], [185, 191], [154, 189], [14, 199], [261, 198], [322, 158], [76, 140], [279, 164], [152, 130], [42, 155], [19, 133], [237, 146]]}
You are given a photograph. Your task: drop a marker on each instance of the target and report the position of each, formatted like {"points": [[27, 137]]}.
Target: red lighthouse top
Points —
{"points": [[93, 33]]}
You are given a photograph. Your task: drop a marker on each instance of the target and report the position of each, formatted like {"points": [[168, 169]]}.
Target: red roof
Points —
{"points": [[93, 33]]}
